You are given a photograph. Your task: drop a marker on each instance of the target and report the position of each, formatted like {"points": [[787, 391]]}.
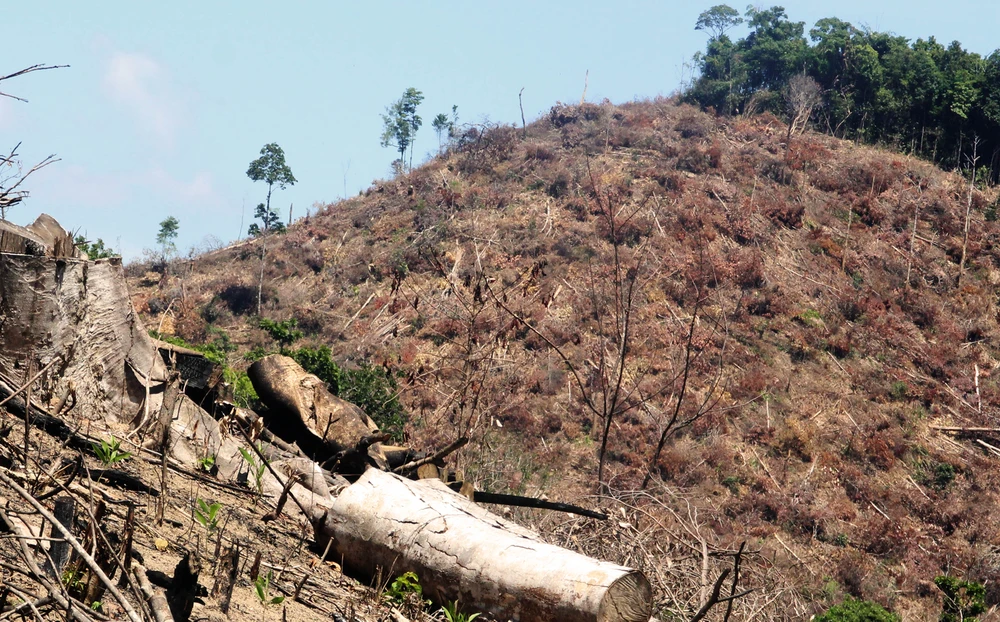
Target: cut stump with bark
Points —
{"points": [[462, 552]]}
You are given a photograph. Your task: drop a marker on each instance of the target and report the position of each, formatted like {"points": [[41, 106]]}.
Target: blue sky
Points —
{"points": [[165, 104]]}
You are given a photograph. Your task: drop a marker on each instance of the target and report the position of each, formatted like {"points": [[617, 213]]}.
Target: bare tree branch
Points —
{"points": [[39, 67]]}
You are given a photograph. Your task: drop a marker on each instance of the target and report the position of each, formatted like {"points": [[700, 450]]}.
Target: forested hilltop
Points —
{"points": [[919, 97]]}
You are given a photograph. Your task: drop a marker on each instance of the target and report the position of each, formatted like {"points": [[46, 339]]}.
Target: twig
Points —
{"points": [[355, 316], [872, 503], [30, 382], [84, 555], [438, 455], [792, 553], [36, 572], [713, 599], [305, 577], [307, 513], [38, 67], [157, 601]]}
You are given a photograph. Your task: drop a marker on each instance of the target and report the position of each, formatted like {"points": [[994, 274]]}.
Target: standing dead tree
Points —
{"points": [[613, 301], [802, 95], [13, 176], [972, 161]]}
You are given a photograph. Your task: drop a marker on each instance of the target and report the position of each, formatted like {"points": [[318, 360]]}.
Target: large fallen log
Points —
{"points": [[300, 406], [463, 552]]}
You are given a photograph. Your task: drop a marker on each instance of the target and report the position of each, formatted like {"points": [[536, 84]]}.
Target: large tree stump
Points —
{"points": [[58, 306], [462, 552]]}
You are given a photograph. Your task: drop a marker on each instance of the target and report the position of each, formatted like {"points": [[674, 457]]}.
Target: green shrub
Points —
{"points": [[375, 391], [944, 474], [857, 611], [93, 250], [214, 351], [244, 394], [963, 600], [109, 451], [284, 332], [319, 362]]}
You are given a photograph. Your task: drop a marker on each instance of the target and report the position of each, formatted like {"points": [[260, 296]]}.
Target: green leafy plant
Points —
{"points": [[271, 169], [72, 579], [244, 395], [284, 332], [404, 587], [168, 233], [857, 611], [262, 589], [374, 390], [207, 515], [452, 614], [319, 362], [401, 123], [207, 463], [93, 250], [371, 388], [963, 600], [257, 468], [109, 451]]}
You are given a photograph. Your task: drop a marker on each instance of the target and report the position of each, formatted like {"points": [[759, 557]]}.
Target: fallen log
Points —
{"points": [[462, 552], [301, 408]]}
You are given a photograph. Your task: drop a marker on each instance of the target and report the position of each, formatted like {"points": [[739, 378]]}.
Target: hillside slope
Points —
{"points": [[767, 333]]}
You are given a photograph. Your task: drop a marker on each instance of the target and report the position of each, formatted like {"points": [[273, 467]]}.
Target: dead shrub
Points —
{"points": [[484, 147], [694, 124], [538, 151], [694, 159], [781, 212], [239, 299], [748, 268]]}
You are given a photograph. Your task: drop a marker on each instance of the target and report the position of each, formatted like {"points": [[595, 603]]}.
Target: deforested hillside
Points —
{"points": [[722, 332]]}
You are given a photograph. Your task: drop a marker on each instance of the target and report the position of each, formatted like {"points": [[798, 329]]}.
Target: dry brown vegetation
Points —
{"points": [[793, 310]]}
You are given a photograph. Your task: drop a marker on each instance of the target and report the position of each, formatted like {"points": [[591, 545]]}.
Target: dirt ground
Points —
{"points": [[284, 546]]}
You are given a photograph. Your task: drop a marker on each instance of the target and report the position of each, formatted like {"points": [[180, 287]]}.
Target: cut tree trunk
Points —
{"points": [[58, 306], [461, 552], [300, 406]]}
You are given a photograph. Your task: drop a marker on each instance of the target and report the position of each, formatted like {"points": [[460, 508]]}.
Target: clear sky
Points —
{"points": [[166, 103]]}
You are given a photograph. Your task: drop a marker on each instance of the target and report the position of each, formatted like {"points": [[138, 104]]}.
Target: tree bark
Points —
{"points": [[300, 405], [462, 552]]}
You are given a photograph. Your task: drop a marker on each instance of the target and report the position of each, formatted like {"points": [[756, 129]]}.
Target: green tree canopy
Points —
{"points": [[270, 168], [401, 122], [168, 233], [718, 19], [920, 97]]}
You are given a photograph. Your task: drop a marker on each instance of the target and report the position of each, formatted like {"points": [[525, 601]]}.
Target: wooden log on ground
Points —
{"points": [[300, 406], [460, 551]]}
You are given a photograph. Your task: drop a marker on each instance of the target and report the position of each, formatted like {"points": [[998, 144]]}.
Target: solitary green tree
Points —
{"points": [[270, 168], [445, 126], [401, 123], [168, 233]]}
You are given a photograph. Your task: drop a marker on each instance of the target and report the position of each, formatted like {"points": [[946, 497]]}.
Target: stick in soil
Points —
{"points": [[64, 508], [84, 555], [226, 577]]}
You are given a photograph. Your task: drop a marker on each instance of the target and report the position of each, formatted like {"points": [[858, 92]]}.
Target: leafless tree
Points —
{"points": [[802, 95], [607, 395], [12, 173], [971, 162]]}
